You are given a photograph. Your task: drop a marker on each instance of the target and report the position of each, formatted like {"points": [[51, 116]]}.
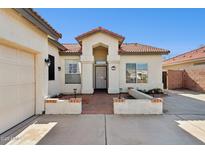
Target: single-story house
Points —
{"points": [[186, 70], [34, 65], [100, 60]]}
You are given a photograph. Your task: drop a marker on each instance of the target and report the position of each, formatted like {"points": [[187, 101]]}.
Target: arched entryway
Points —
{"points": [[100, 71]]}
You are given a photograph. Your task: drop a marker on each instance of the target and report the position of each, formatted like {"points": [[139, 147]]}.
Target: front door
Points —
{"points": [[100, 77]]}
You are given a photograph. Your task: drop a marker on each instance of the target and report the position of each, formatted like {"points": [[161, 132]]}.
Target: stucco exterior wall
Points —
{"points": [[54, 85], [18, 33], [154, 71], [67, 88]]}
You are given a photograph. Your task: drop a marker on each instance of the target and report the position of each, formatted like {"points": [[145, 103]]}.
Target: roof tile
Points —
{"points": [[126, 48], [191, 55]]}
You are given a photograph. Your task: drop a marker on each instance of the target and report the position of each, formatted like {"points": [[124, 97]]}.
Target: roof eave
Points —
{"points": [[34, 19], [57, 44], [143, 53], [61, 53], [100, 30]]}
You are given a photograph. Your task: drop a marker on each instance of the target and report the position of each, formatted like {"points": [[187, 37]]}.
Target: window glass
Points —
{"points": [[136, 73], [142, 73], [51, 68], [130, 73], [72, 72]]}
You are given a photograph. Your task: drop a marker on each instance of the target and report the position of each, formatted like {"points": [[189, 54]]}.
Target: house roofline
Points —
{"points": [[38, 21], [185, 61], [102, 30], [57, 44]]}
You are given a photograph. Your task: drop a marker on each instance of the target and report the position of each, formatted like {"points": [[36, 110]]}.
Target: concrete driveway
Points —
{"points": [[183, 123]]}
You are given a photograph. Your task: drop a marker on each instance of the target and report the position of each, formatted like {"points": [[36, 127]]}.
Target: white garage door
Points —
{"points": [[17, 86]]}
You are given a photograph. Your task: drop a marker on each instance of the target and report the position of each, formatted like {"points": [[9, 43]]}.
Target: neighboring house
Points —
{"points": [[186, 70], [34, 65], [24, 46]]}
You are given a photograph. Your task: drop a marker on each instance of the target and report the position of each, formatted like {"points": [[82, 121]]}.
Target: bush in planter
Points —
{"points": [[155, 91]]}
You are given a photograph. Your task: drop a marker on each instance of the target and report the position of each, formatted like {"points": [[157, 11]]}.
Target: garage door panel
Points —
{"points": [[17, 87], [9, 73], [25, 59], [8, 95], [26, 92], [25, 75], [8, 54]]}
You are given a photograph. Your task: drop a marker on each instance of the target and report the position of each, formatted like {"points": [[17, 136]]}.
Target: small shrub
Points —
{"points": [[155, 91]]}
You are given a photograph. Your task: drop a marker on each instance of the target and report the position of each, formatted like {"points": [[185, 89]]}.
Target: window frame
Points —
{"points": [[136, 72]]}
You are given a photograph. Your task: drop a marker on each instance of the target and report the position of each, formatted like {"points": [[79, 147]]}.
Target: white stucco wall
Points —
{"points": [[154, 71], [54, 85], [17, 30], [67, 88], [18, 33]]}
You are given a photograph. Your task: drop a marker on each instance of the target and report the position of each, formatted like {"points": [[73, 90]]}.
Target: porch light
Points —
{"points": [[47, 61], [74, 92], [120, 90], [59, 68], [113, 68]]}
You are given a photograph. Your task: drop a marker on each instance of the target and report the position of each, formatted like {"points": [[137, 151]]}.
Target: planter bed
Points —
{"points": [[59, 106]]}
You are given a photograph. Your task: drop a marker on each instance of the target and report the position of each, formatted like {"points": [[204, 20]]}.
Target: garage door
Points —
{"points": [[17, 86]]}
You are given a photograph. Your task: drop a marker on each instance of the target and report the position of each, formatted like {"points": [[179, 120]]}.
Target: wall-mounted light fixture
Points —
{"points": [[75, 91], [120, 91], [59, 68], [47, 61], [113, 68]]}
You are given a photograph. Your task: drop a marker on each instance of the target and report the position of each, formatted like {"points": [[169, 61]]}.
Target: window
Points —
{"points": [[142, 73], [136, 73], [131, 73], [51, 69], [72, 72]]}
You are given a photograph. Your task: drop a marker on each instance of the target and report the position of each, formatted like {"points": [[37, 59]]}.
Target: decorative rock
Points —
{"points": [[157, 100], [51, 100], [75, 100], [117, 100]]}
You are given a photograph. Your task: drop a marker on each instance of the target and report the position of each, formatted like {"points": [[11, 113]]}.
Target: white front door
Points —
{"points": [[100, 77]]}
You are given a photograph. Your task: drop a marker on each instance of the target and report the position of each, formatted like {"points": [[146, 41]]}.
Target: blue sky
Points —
{"points": [[178, 30]]}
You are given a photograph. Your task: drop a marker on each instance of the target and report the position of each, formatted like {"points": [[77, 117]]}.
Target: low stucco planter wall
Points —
{"points": [[138, 106], [56, 106], [142, 104]]}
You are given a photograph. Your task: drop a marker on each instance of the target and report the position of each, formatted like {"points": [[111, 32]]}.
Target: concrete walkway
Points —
{"points": [[183, 123]]}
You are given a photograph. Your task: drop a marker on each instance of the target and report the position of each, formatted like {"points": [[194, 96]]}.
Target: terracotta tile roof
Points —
{"points": [[126, 48], [72, 49], [100, 29], [136, 48], [188, 56]]}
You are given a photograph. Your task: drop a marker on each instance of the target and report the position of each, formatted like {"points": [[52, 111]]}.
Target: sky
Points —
{"points": [[178, 30]]}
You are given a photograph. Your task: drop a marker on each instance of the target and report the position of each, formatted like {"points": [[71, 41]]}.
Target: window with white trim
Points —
{"points": [[136, 73], [72, 72]]}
